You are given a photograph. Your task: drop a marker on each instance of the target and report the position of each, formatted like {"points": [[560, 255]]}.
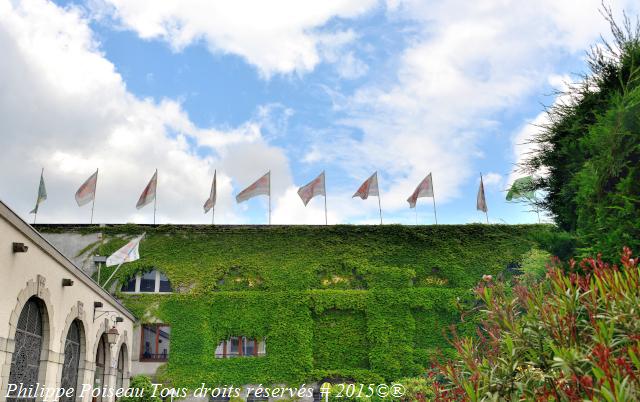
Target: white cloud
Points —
{"points": [[277, 37], [466, 64], [291, 210], [522, 142], [492, 179], [63, 106]]}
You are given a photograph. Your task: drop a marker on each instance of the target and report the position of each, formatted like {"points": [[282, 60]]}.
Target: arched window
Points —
{"points": [[101, 358], [71, 359], [25, 362], [120, 368], [152, 281]]}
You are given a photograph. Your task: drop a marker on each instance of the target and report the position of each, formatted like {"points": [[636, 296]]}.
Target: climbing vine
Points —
{"points": [[340, 302]]}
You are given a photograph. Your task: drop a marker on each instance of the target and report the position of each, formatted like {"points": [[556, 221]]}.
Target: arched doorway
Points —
{"points": [[72, 350], [25, 362], [101, 365], [120, 367]]}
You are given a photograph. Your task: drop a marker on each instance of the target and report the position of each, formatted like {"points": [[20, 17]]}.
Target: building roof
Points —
{"points": [[16, 221]]}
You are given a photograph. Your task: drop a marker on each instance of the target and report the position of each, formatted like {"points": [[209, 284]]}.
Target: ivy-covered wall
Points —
{"points": [[370, 303]]}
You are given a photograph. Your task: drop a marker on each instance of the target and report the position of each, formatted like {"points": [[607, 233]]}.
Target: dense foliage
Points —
{"points": [[575, 336], [143, 390], [590, 149], [370, 303]]}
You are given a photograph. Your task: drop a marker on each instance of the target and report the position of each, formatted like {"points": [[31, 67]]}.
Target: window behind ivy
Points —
{"points": [[155, 342], [165, 285], [149, 282], [129, 286], [241, 346]]}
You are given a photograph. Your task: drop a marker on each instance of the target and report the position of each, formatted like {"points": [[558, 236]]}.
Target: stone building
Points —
{"points": [[58, 328]]}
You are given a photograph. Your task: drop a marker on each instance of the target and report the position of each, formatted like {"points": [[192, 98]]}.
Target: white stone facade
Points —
{"points": [[38, 274]]}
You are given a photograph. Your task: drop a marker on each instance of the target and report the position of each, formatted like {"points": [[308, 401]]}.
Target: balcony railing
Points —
{"points": [[154, 357]]}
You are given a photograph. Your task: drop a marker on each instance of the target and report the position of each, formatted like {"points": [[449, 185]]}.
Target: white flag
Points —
{"points": [[481, 202], [129, 252], [313, 188], [87, 191], [149, 192], [424, 189], [262, 186], [211, 201], [369, 187]]}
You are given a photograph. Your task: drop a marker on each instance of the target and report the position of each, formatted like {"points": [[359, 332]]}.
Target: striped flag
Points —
{"points": [[149, 192], [127, 253], [87, 191], [313, 188], [424, 189], [211, 201], [481, 202], [369, 187], [42, 194], [262, 186]]}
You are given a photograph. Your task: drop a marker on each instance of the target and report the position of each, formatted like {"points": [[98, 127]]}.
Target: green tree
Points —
{"points": [[590, 148]]}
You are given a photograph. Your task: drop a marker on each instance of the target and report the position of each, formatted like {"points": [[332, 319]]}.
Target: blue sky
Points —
{"points": [[349, 87]]}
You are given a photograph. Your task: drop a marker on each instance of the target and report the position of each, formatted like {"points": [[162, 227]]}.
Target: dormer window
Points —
{"points": [[152, 281]]}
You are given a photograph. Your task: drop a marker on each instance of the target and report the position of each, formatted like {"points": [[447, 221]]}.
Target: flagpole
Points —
{"points": [[155, 199], [269, 197], [416, 211], [379, 207], [93, 203], [435, 215], [214, 185], [113, 273], [324, 182]]}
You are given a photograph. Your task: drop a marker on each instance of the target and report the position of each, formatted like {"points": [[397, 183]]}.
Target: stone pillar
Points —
{"points": [[7, 346]]}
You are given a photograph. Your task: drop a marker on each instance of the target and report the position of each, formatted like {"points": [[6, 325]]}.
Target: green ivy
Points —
{"points": [[363, 303]]}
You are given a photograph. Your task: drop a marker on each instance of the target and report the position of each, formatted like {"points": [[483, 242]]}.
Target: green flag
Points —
{"points": [[42, 194], [522, 188]]}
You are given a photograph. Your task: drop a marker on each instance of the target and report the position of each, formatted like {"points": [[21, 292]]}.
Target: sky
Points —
{"points": [[401, 87]]}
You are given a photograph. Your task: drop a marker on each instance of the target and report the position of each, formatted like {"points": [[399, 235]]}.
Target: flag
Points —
{"points": [[262, 186], [129, 252], [313, 188], [481, 202], [149, 192], [211, 201], [522, 188], [87, 191], [424, 189], [369, 187], [42, 194]]}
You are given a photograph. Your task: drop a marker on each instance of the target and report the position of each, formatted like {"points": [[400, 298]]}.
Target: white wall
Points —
{"points": [[39, 272]]}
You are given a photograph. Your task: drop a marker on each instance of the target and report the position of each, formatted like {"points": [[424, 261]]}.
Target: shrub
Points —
{"points": [[574, 336], [533, 266], [141, 382]]}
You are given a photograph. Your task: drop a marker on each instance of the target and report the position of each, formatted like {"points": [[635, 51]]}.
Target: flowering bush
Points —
{"points": [[573, 336]]}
